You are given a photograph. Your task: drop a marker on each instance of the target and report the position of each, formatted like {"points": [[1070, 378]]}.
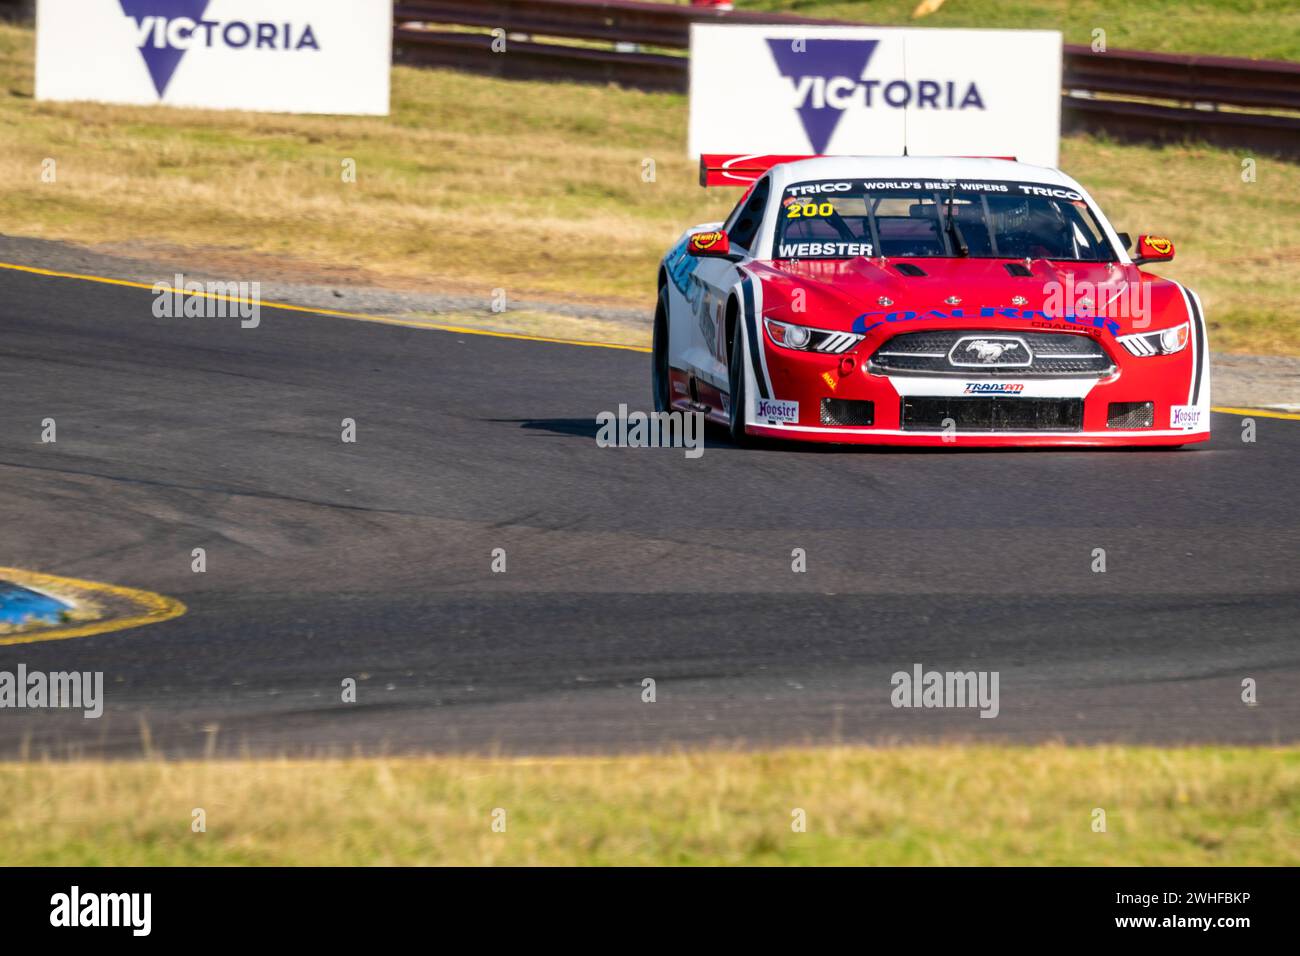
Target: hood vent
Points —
{"points": [[907, 269], [1019, 269]]}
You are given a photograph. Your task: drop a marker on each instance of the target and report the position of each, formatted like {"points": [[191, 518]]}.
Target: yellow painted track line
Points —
{"points": [[1257, 413], [461, 330], [337, 313], [153, 607]]}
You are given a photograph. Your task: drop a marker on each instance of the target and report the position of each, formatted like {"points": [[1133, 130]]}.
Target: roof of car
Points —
{"points": [[916, 167]]}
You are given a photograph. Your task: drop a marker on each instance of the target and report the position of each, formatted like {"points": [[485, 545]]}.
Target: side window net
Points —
{"points": [[750, 217]]}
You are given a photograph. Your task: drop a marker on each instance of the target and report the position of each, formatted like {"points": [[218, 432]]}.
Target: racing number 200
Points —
{"points": [[809, 210]]}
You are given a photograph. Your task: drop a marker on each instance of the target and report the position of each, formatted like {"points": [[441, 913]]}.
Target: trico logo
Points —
{"points": [[1159, 245], [166, 29], [988, 350], [829, 77]]}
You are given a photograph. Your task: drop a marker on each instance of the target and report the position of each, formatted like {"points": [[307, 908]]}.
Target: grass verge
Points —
{"points": [[539, 189], [916, 805]]}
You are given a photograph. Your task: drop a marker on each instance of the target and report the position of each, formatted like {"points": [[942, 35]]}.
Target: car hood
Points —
{"points": [[862, 294]]}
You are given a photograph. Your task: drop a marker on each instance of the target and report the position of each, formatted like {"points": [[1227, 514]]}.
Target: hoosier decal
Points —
{"points": [[773, 410], [1186, 417]]}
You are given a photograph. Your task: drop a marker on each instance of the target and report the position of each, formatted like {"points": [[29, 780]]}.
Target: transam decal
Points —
{"points": [[774, 410], [994, 388], [873, 320], [703, 241]]}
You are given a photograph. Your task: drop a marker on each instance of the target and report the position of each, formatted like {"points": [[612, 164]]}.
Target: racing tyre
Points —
{"points": [[736, 385], [661, 380]]}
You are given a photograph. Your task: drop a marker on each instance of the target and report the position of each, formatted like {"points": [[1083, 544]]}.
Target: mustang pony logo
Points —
{"points": [[989, 352]]}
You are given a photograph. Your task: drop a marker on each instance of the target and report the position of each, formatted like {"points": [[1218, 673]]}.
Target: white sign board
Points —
{"points": [[789, 90], [290, 56]]}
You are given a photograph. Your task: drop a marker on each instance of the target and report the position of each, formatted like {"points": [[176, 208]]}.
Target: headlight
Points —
{"points": [[797, 336], [791, 336], [800, 337], [1164, 342]]}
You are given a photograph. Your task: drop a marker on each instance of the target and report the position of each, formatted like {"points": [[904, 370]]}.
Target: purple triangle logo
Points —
{"points": [[819, 62], [161, 60]]}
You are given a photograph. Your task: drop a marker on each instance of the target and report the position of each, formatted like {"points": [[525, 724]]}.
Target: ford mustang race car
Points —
{"points": [[925, 301]]}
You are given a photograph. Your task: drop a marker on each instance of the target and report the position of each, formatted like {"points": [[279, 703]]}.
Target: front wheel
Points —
{"points": [[660, 378], [736, 385]]}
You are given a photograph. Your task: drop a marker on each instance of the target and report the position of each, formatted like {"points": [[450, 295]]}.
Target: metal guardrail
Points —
{"points": [[17, 9], [1191, 79], [1110, 92]]}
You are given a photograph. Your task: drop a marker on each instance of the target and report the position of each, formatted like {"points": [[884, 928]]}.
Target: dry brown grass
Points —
{"points": [[915, 805], [476, 183]]}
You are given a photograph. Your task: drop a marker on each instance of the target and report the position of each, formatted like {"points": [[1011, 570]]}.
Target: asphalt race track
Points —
{"points": [[372, 560]]}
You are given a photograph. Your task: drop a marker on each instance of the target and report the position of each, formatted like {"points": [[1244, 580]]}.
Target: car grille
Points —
{"points": [[1055, 354], [844, 411], [1131, 415], [993, 414]]}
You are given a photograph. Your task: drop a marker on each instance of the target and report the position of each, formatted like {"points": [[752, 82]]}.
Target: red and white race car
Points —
{"points": [[925, 301]]}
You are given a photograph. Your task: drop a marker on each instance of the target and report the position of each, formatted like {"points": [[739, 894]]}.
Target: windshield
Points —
{"points": [[839, 219]]}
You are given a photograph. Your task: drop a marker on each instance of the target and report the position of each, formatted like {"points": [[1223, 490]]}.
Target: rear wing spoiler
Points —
{"points": [[729, 169]]}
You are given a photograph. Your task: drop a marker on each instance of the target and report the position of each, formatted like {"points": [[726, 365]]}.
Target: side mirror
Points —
{"points": [[710, 245], [1153, 249]]}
